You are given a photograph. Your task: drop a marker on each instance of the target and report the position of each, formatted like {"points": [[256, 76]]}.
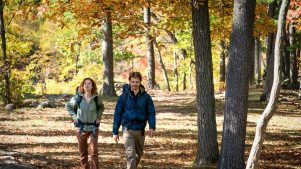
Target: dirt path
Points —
{"points": [[44, 138]]}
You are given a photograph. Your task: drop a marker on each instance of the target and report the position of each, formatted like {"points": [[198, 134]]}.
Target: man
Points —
{"points": [[133, 109]]}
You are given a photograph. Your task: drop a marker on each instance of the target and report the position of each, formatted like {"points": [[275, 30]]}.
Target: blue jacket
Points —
{"points": [[133, 112]]}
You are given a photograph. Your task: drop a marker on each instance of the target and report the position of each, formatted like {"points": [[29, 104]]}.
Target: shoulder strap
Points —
{"points": [[124, 97], [96, 103], [78, 100]]}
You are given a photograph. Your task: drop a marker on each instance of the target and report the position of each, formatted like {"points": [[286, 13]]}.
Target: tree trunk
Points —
{"points": [[237, 86], [272, 105], [222, 65], [107, 56], [207, 151], [286, 55], [257, 61], [6, 64], [77, 58], [190, 73], [184, 55], [162, 66], [175, 70], [293, 59], [150, 49], [270, 58], [252, 62]]}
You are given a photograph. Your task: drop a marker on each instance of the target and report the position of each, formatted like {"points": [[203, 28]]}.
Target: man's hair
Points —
{"points": [[94, 87], [135, 75]]}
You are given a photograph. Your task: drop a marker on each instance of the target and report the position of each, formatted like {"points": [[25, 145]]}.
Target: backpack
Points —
{"points": [[79, 99]]}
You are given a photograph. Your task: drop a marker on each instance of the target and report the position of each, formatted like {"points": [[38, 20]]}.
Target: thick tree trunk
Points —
{"points": [[237, 86], [222, 65], [270, 58], [207, 152], [293, 59], [272, 105], [107, 56], [257, 61], [162, 66], [6, 64], [184, 56], [150, 49]]}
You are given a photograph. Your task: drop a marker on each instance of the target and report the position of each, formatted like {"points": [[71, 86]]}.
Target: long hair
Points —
{"points": [[94, 87]]}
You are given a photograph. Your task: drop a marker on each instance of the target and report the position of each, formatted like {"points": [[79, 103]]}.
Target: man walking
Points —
{"points": [[133, 110]]}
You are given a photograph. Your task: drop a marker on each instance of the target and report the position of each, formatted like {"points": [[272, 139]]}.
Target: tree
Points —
{"points": [[207, 152], [237, 86], [222, 65], [272, 105], [6, 64], [257, 61], [293, 58], [162, 65], [269, 57], [150, 49], [184, 56], [107, 55]]}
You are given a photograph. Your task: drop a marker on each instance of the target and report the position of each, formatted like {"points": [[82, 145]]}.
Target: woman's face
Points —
{"points": [[88, 85]]}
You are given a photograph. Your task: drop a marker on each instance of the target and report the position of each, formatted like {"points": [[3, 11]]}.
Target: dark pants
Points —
{"points": [[83, 149]]}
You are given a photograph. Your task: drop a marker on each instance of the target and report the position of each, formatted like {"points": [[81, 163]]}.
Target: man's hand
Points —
{"points": [[97, 121], [150, 132], [116, 138]]}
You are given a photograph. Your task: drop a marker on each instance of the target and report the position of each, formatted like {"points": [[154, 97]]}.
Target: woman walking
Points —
{"points": [[86, 110]]}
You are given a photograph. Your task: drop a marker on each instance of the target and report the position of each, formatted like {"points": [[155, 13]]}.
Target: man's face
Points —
{"points": [[135, 83]]}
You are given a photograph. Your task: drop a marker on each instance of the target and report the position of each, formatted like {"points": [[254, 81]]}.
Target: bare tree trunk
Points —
{"points": [[190, 73], [270, 58], [77, 58], [272, 105], [293, 59], [257, 61], [237, 86], [162, 66], [175, 69], [207, 151], [150, 49], [184, 55], [107, 56], [6, 64], [286, 54], [222, 65]]}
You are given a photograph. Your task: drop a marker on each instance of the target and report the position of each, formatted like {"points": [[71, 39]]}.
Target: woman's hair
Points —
{"points": [[135, 75], [94, 87]]}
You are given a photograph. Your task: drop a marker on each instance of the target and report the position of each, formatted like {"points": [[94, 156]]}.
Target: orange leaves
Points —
{"points": [[294, 13], [263, 23]]}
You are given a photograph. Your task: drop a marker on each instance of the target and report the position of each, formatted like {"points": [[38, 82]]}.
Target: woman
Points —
{"points": [[86, 109]]}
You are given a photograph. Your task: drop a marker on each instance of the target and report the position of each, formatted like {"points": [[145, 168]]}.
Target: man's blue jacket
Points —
{"points": [[133, 112]]}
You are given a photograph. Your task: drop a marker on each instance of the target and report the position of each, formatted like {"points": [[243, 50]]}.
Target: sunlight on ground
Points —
{"points": [[50, 133]]}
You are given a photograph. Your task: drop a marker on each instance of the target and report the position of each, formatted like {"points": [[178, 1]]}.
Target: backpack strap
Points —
{"points": [[96, 103], [124, 97], [79, 99]]}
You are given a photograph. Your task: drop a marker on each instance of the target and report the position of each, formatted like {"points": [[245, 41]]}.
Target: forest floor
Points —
{"points": [[44, 138]]}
